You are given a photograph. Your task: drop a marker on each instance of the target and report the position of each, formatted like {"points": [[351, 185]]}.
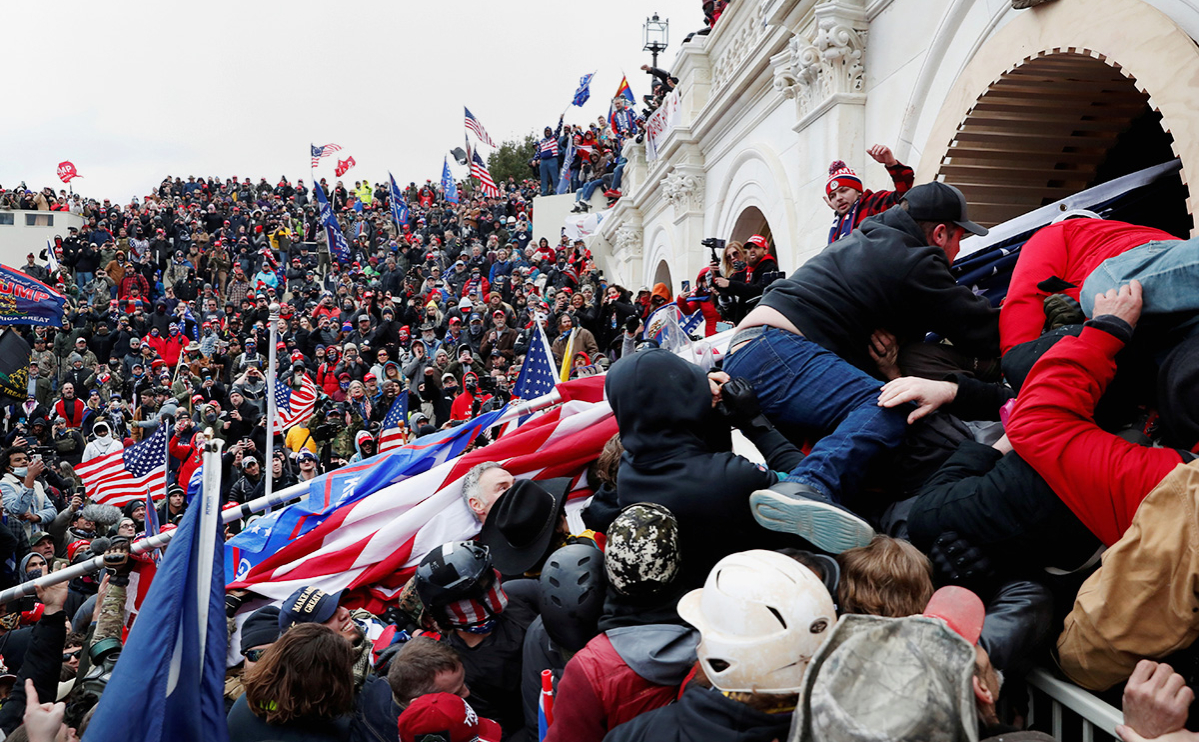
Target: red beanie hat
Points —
{"points": [[839, 175]]}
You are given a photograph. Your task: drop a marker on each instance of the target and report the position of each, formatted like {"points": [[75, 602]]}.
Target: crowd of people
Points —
{"points": [[948, 493]]}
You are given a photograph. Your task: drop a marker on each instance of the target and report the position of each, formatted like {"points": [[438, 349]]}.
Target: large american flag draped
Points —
{"points": [[371, 546], [293, 406], [479, 170], [473, 124], [393, 435], [320, 152], [537, 374], [123, 476]]}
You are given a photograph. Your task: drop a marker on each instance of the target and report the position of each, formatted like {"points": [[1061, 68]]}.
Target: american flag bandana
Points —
{"points": [[472, 613]]}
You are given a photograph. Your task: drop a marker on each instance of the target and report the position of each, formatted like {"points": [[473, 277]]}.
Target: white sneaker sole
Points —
{"points": [[826, 526]]}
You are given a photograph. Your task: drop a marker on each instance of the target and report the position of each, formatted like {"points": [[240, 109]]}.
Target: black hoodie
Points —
{"points": [[885, 275], [703, 715], [677, 454]]}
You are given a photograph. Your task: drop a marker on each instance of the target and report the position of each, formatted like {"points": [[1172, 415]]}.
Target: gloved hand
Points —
{"points": [[233, 601], [958, 562], [738, 402], [631, 324], [1061, 310]]}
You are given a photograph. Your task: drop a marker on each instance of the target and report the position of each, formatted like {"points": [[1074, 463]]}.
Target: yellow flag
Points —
{"points": [[568, 357]]}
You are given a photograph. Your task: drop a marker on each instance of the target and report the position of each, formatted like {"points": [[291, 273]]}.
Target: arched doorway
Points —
{"points": [[750, 222], [662, 275], [1054, 125]]}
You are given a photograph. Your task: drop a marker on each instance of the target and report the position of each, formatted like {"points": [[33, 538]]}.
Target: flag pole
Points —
{"points": [[268, 466], [230, 514], [206, 540]]}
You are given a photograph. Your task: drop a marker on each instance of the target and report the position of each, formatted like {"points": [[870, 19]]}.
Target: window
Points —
{"points": [[6, 219], [40, 219]]}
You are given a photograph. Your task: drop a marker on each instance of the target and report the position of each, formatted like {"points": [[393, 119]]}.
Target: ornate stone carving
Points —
{"points": [[629, 240], [739, 45], [812, 71], [684, 190]]}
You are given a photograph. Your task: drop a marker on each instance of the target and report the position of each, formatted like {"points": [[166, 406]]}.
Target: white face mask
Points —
{"points": [[21, 471], [102, 434]]}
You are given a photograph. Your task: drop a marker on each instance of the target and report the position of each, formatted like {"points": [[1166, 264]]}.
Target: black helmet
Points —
{"points": [[573, 587], [454, 571]]}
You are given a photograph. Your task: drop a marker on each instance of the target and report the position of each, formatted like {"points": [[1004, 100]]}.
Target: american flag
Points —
{"points": [[123, 476], [393, 435], [293, 406], [371, 546], [479, 170], [319, 152], [473, 124], [537, 375]]}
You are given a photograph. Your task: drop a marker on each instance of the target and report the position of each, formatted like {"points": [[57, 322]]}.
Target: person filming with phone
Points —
{"points": [[24, 496]]}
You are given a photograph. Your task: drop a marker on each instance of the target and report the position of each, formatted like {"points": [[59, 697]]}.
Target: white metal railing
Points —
{"points": [[1066, 711]]}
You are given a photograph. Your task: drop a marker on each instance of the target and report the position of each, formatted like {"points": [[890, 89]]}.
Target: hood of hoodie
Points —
{"points": [[663, 406], [359, 438], [660, 653]]}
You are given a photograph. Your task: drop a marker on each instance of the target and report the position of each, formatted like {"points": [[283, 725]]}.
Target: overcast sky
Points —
{"points": [[133, 91]]}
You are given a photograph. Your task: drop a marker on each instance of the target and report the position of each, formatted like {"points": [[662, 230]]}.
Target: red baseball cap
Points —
{"points": [[758, 240], [448, 716]]}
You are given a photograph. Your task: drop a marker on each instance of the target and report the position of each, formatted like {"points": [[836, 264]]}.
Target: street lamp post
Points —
{"points": [[657, 36]]}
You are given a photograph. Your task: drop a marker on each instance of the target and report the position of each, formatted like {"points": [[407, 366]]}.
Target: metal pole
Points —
{"points": [[206, 539], [229, 515], [268, 466]]}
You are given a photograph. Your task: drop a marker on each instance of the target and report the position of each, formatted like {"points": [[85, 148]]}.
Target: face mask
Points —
{"points": [[471, 386], [33, 574], [10, 621], [21, 471]]}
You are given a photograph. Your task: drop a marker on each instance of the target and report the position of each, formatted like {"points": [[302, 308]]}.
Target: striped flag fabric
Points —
{"points": [[318, 153], [395, 424], [538, 376], [479, 170], [294, 406], [372, 545], [123, 476], [339, 489], [473, 124]]}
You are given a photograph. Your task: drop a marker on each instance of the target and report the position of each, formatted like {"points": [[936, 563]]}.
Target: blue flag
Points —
{"points": [[338, 247], [448, 187], [568, 157], [28, 301], [584, 91], [169, 684], [399, 207], [349, 484]]}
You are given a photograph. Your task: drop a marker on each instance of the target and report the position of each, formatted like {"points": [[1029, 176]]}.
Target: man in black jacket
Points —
{"points": [[804, 349], [678, 454]]}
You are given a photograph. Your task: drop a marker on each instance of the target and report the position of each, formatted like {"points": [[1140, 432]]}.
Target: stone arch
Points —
{"points": [[1076, 54], [757, 184], [658, 258]]}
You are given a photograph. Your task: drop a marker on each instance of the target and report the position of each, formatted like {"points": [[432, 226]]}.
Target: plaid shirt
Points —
{"points": [[873, 202]]}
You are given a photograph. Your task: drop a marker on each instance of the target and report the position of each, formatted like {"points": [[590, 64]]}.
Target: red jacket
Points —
{"points": [[1101, 477], [72, 413], [190, 454], [708, 307], [168, 348], [1070, 250], [598, 691]]}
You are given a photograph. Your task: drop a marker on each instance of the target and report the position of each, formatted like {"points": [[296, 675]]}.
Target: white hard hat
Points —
{"points": [[761, 618]]}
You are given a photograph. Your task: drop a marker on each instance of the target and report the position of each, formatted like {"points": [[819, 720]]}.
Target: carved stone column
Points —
{"points": [[823, 66]]}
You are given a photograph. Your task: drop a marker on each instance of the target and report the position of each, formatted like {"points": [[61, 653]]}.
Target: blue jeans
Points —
{"points": [[800, 383], [548, 168], [82, 279], [1168, 271], [617, 173], [588, 188]]}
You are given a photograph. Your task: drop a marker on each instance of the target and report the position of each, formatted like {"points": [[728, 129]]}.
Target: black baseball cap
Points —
{"points": [[940, 202]]}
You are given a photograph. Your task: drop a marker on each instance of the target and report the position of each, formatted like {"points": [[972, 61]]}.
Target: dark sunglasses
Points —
{"points": [[253, 655]]}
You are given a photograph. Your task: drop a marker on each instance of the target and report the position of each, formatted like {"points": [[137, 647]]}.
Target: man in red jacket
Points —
{"points": [[1068, 251], [844, 193], [645, 651], [1100, 476]]}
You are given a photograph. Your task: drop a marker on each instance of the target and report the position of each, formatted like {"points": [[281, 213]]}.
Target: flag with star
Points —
{"points": [[293, 406], [395, 424], [123, 476]]}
